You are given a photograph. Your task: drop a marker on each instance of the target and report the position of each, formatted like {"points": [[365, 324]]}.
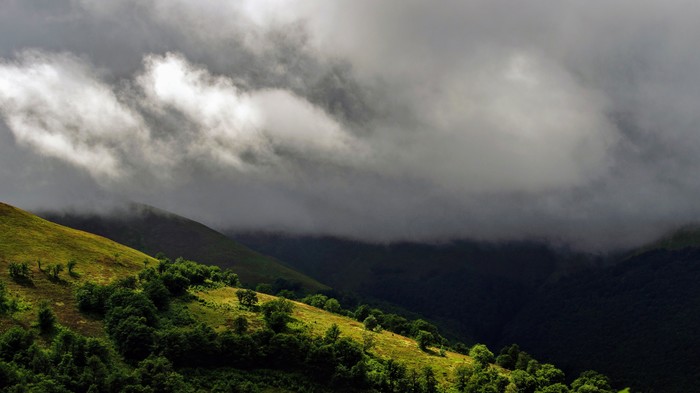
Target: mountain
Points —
{"points": [[152, 230], [631, 315], [636, 321], [121, 340], [473, 289]]}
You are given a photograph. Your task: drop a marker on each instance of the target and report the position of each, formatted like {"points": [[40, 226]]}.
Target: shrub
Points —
{"points": [[371, 323], [46, 319], [19, 271], [247, 298]]}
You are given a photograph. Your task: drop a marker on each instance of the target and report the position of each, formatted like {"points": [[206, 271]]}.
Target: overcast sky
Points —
{"points": [[571, 121]]}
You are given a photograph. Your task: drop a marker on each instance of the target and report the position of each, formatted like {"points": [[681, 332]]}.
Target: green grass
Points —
{"points": [[152, 230], [27, 238], [217, 307]]}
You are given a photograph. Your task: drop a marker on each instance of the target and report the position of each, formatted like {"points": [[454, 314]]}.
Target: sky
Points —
{"points": [[574, 122]]}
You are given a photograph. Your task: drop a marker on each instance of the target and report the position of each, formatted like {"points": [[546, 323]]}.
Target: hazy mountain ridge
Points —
{"points": [[152, 230], [516, 292]]}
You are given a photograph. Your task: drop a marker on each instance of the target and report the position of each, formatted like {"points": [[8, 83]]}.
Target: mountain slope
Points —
{"points": [[636, 321], [151, 230], [27, 238], [473, 288]]}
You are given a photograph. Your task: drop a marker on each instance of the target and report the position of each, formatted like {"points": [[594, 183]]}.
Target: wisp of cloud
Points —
{"points": [[399, 120]]}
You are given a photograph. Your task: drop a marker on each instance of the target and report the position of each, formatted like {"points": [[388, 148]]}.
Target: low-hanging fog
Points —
{"points": [[570, 121]]}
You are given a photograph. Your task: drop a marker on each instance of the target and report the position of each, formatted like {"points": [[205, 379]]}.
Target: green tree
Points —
{"points": [[240, 324], [362, 312], [46, 319], [133, 337], [247, 298], [371, 323], [277, 313], [481, 355], [428, 380], [369, 341], [19, 271], [332, 305], [158, 293], [318, 300], [230, 278], [547, 375], [462, 375], [55, 270], [424, 339], [332, 334], [265, 288], [71, 265], [591, 382]]}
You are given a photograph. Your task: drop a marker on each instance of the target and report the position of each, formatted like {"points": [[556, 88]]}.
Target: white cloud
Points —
{"points": [[55, 104]]}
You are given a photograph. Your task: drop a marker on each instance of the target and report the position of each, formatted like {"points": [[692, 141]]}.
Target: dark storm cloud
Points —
{"points": [[568, 121]]}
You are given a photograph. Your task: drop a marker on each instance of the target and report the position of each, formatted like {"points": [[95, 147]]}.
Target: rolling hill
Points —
{"points": [[151, 231], [27, 238]]}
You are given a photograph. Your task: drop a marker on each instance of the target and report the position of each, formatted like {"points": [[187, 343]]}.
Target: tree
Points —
{"points": [[265, 288], [133, 337], [332, 305], [240, 324], [481, 355], [55, 270], [591, 382], [370, 323], [332, 334], [362, 312], [462, 375], [368, 341], [318, 300], [428, 380], [424, 339], [19, 271], [247, 298], [71, 265], [547, 375], [277, 313], [230, 278], [46, 319], [158, 293]]}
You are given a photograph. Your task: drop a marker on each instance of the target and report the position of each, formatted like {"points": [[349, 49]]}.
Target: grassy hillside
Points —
{"points": [[151, 230], [27, 238], [182, 317], [220, 306]]}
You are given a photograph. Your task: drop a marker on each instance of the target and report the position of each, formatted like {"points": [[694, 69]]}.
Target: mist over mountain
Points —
{"points": [[401, 121]]}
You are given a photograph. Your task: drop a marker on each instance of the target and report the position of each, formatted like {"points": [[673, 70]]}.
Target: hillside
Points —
{"points": [[27, 238], [636, 321], [179, 326], [151, 231], [473, 289]]}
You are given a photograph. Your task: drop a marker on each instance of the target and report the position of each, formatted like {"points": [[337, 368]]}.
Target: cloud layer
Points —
{"points": [[380, 121]]}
